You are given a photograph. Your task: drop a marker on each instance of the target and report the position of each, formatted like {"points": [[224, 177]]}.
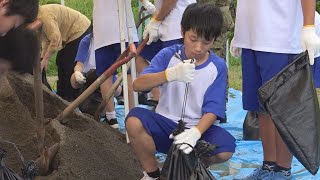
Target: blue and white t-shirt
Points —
{"points": [[86, 53], [206, 93]]}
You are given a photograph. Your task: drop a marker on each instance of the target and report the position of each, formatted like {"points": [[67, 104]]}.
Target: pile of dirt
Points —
{"points": [[88, 150]]}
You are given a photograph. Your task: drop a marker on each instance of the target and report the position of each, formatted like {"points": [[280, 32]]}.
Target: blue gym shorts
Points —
{"points": [[316, 72], [149, 51], [257, 68], [106, 56], [160, 128]]}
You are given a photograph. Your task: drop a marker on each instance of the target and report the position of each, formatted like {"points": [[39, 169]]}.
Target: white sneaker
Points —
{"points": [[147, 177]]}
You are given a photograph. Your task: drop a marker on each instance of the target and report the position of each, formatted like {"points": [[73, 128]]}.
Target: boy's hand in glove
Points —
{"points": [[189, 136], [79, 77], [310, 42], [152, 29], [150, 8], [183, 71]]}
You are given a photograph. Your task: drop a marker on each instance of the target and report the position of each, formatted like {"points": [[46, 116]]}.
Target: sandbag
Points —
{"points": [[250, 126], [181, 166], [291, 100], [91, 104]]}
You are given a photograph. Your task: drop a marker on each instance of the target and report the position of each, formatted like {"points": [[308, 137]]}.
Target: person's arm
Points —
{"points": [[205, 122], [146, 82], [166, 8], [79, 66], [152, 29], [77, 77], [52, 33], [308, 9], [183, 71], [309, 39], [150, 8]]}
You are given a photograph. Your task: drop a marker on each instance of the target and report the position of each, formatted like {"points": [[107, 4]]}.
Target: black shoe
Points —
{"points": [[224, 120], [142, 99], [112, 122], [120, 100], [151, 102]]}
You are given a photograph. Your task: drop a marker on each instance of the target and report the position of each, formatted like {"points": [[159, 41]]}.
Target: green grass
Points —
{"points": [[235, 73]]}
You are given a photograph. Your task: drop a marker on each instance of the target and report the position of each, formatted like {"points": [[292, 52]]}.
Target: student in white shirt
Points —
{"points": [[268, 34]]}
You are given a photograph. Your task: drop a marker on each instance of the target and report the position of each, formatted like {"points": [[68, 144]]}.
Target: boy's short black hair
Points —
{"points": [[203, 18], [25, 8]]}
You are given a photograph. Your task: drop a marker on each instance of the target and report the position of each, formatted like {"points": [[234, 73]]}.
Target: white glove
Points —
{"points": [[235, 51], [79, 77], [152, 29], [189, 136], [310, 42], [150, 8], [183, 71]]}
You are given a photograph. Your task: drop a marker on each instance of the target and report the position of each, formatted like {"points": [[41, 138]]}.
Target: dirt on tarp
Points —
{"points": [[88, 149]]}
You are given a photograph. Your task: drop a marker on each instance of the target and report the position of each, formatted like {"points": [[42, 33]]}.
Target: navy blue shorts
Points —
{"points": [[106, 56], [149, 51], [316, 72], [257, 68], [160, 128]]}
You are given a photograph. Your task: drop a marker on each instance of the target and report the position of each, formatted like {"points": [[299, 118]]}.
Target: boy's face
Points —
{"points": [[196, 47], [8, 22]]}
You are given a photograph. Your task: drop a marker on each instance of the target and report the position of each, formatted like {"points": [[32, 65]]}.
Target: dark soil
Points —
{"points": [[88, 149]]}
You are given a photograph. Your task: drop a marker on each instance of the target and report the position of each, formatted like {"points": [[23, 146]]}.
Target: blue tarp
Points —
{"points": [[248, 155]]}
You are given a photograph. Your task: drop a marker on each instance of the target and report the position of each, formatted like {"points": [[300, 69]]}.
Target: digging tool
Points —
{"points": [[45, 153], [38, 94], [108, 96], [125, 57]]}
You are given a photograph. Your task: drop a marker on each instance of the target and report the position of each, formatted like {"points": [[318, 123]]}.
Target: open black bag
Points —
{"points": [[291, 100], [181, 166]]}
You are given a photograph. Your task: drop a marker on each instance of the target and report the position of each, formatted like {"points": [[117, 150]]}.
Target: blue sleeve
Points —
{"points": [[160, 61], [83, 49], [215, 96]]}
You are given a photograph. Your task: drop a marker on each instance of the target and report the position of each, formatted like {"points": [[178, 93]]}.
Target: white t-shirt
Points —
{"points": [[317, 25], [170, 27], [106, 24], [206, 93], [269, 25]]}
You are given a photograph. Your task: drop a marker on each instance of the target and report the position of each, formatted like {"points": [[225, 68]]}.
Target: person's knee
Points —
{"points": [[216, 159], [133, 125], [223, 157]]}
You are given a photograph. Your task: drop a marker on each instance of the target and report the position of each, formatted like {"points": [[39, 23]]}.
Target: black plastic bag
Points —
{"points": [[181, 166], [90, 104], [251, 126], [291, 100]]}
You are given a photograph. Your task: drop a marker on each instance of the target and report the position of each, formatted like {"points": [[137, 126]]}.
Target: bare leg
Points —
{"points": [[142, 143], [268, 137], [105, 87], [218, 158], [284, 157]]}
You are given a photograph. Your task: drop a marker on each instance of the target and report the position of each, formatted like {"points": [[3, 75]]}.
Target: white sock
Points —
{"points": [[111, 115]]}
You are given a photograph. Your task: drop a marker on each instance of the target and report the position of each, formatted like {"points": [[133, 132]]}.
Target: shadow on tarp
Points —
{"points": [[248, 155]]}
